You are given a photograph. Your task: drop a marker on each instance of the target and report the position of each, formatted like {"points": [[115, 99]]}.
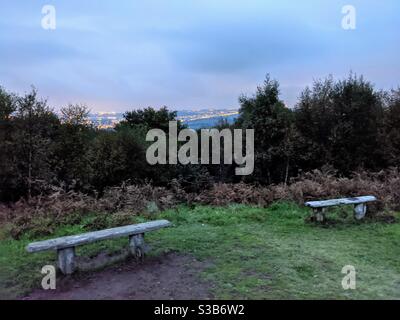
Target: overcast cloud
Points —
{"points": [[119, 55]]}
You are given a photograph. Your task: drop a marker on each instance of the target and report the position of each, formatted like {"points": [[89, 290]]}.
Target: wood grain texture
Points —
{"points": [[343, 201], [73, 241]]}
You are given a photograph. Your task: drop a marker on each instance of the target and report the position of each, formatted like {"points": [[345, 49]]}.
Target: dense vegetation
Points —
{"points": [[345, 125], [61, 176]]}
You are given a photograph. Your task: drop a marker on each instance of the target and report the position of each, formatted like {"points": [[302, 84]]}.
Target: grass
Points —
{"points": [[254, 253]]}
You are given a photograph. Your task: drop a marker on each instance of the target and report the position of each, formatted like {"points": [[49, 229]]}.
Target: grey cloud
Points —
{"points": [[236, 47], [30, 52]]}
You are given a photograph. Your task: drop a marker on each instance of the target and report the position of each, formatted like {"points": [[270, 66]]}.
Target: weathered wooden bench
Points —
{"points": [[65, 246], [360, 206]]}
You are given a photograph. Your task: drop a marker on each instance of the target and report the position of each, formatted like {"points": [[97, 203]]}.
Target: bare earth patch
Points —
{"points": [[169, 276]]}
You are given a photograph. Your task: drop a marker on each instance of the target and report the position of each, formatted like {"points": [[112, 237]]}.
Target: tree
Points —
{"points": [[35, 126], [314, 122], [7, 105], [272, 121], [7, 165], [391, 132], [118, 156], [339, 124], [75, 115], [151, 118], [73, 142]]}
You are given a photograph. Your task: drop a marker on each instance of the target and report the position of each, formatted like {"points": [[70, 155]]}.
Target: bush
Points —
{"points": [[316, 185], [42, 214], [120, 205]]}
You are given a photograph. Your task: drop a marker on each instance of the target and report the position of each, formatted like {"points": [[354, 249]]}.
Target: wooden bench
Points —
{"points": [[360, 206], [65, 246]]}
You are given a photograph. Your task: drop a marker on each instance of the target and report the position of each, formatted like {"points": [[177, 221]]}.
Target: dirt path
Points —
{"points": [[170, 276]]}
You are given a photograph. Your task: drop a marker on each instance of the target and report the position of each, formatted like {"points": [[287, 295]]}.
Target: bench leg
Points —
{"points": [[319, 214], [360, 210], [136, 245], [66, 260]]}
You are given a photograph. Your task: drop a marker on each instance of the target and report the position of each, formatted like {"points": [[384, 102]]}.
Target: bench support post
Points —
{"points": [[360, 210], [319, 214], [136, 245], [66, 260]]}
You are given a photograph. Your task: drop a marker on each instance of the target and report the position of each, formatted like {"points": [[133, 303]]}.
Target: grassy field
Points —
{"points": [[253, 253]]}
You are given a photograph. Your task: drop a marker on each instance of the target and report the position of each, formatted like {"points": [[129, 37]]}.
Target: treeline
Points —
{"points": [[344, 125]]}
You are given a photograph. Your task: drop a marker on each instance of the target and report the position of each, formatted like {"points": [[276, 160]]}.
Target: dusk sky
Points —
{"points": [[120, 55]]}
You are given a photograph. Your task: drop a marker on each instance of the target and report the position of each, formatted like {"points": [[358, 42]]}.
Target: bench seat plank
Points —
{"points": [[336, 202], [72, 241]]}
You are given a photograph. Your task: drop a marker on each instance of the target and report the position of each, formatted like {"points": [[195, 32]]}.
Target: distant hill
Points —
{"points": [[198, 119], [209, 122], [195, 119]]}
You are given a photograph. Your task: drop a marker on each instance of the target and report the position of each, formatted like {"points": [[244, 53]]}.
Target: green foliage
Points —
{"points": [[72, 162], [344, 125], [194, 178], [145, 120], [7, 105], [28, 144], [272, 122], [391, 132], [118, 156], [253, 253], [150, 118], [8, 181], [340, 124]]}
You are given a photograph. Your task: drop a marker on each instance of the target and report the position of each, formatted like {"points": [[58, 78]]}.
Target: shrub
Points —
{"points": [[119, 205]]}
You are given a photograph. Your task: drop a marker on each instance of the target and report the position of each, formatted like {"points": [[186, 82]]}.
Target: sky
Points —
{"points": [[191, 54]]}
